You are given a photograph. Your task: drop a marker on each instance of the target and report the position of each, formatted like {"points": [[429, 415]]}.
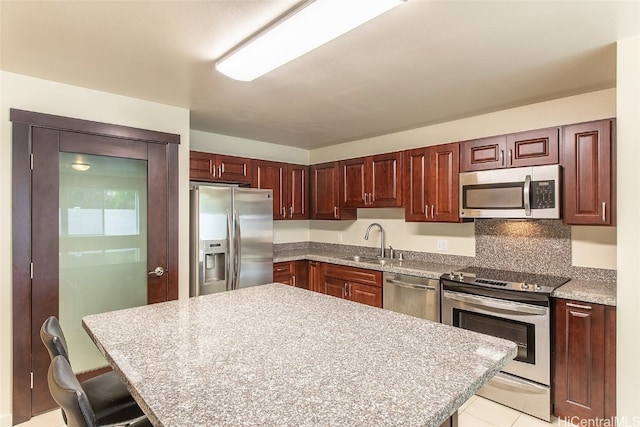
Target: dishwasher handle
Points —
{"points": [[410, 285]]}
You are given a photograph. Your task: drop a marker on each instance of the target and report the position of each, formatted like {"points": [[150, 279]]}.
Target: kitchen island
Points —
{"points": [[279, 355]]}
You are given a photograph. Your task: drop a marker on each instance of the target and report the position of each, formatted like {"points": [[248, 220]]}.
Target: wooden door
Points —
{"points": [[443, 183], [415, 184], [36, 235], [314, 276], [233, 169], [533, 148], [579, 360], [354, 188], [365, 294], [298, 191], [483, 154], [325, 198], [271, 175], [588, 187], [385, 178]]}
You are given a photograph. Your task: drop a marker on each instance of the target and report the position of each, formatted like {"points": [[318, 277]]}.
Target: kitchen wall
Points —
{"points": [[43, 96]]}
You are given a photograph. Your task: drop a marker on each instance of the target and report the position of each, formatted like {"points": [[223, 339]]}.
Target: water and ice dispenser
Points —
{"points": [[213, 266]]}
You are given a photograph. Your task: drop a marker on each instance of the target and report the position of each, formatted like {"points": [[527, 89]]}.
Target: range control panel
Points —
{"points": [[543, 194]]}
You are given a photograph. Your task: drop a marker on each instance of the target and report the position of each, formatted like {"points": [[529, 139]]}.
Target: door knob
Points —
{"points": [[159, 271]]}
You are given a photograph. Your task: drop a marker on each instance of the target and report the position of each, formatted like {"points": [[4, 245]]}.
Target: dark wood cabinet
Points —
{"points": [[589, 173], [219, 168], [374, 181], [290, 185], [584, 379], [431, 183], [531, 148], [325, 193], [355, 284], [314, 276], [293, 273]]}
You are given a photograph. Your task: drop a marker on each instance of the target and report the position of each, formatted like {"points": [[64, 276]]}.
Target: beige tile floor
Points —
{"points": [[476, 412]]}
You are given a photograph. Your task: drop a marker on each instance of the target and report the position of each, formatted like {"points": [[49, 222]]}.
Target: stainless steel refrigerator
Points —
{"points": [[231, 238]]}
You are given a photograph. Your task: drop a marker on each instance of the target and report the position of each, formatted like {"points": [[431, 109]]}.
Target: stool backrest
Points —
{"points": [[69, 394], [53, 338]]}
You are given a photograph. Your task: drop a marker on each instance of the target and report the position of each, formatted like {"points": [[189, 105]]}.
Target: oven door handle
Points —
{"points": [[505, 383], [506, 306]]}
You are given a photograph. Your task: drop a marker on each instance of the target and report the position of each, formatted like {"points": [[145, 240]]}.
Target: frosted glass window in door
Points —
{"points": [[103, 244]]}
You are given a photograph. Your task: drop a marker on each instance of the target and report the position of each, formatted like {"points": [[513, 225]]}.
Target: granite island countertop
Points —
{"points": [[282, 356]]}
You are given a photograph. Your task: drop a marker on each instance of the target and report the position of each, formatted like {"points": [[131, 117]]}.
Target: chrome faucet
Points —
{"points": [[366, 237]]}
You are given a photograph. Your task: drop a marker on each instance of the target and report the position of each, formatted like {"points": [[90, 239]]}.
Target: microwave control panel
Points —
{"points": [[543, 194]]}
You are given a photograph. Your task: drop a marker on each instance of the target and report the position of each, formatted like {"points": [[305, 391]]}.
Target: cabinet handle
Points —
{"points": [[510, 157], [212, 169], [584, 307], [291, 212], [344, 291], [502, 157], [284, 212], [371, 198], [293, 280], [604, 211], [426, 212], [432, 214], [220, 171], [365, 198], [349, 291], [335, 212]]}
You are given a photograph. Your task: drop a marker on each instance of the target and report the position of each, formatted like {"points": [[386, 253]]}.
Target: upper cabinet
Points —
{"points": [[532, 148], [290, 185], [431, 183], [219, 168], [369, 182], [325, 193], [588, 159]]}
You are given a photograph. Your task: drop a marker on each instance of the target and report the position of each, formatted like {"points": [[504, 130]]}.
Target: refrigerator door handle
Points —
{"points": [[228, 274], [238, 248]]}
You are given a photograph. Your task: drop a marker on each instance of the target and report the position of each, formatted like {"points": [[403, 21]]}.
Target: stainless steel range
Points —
{"points": [[514, 306]]}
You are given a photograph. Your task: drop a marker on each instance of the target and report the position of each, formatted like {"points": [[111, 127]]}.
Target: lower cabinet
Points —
{"points": [[355, 284], [293, 273], [585, 361]]}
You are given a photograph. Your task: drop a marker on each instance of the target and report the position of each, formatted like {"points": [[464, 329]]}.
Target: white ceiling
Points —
{"points": [[422, 63]]}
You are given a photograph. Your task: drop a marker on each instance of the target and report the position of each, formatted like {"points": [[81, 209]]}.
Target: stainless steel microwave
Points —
{"points": [[529, 192]]}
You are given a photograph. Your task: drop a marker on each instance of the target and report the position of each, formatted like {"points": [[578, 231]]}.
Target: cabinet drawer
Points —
{"points": [[283, 271], [353, 274]]}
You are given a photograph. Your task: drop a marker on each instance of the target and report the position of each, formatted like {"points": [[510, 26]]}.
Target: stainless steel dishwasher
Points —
{"points": [[415, 296]]}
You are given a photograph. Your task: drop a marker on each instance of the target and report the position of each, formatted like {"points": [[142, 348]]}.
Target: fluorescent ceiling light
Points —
{"points": [[80, 167], [305, 29]]}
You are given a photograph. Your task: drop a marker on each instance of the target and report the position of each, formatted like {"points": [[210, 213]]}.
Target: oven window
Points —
{"points": [[523, 334], [493, 196]]}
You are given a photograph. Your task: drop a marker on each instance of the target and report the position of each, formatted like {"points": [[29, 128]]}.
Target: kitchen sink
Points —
{"points": [[367, 259]]}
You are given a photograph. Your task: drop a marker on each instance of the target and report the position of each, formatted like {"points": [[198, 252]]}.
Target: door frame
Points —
{"points": [[23, 122]]}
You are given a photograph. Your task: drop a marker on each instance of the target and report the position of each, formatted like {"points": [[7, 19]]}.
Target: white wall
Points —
{"points": [[43, 96], [628, 339]]}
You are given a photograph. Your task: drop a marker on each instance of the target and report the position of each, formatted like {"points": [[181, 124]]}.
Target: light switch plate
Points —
{"points": [[442, 245]]}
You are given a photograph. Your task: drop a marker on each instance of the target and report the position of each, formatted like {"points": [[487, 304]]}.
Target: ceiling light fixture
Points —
{"points": [[80, 167], [313, 24]]}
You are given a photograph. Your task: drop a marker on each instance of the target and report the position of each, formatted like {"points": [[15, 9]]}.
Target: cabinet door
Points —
{"points": [[284, 272], [385, 180], [202, 166], [482, 154], [325, 198], [587, 160], [443, 189], [579, 360], [334, 287], [301, 276], [354, 188], [234, 169], [314, 276], [365, 294], [271, 175], [415, 184], [297, 191], [534, 148]]}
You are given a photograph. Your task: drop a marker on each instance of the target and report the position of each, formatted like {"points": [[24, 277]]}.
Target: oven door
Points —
{"points": [[525, 324]]}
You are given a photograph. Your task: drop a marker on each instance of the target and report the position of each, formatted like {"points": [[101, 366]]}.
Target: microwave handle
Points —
{"points": [[526, 195]]}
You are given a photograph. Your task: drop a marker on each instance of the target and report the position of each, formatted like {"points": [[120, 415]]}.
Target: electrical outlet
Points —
{"points": [[442, 245], [340, 239], [277, 236]]}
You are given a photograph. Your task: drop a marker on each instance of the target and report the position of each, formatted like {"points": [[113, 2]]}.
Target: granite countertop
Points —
{"points": [[278, 355], [430, 270], [588, 291], [598, 292]]}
